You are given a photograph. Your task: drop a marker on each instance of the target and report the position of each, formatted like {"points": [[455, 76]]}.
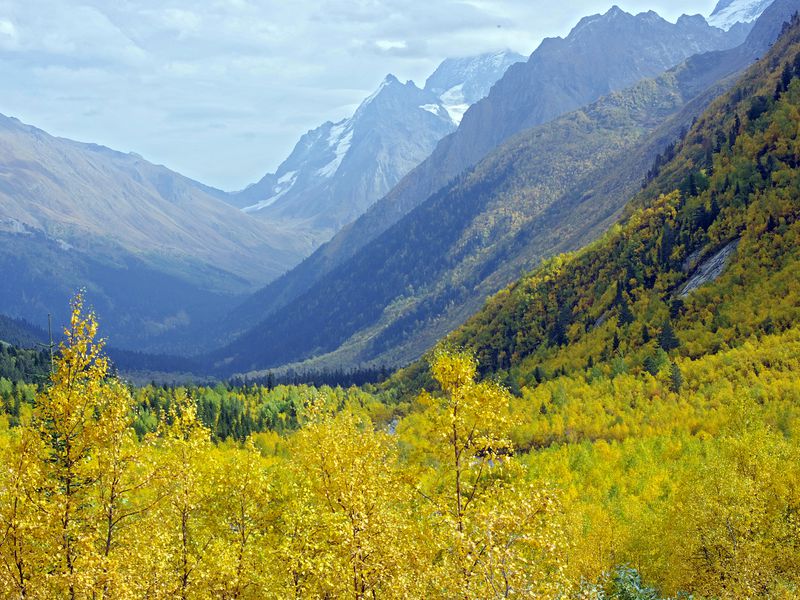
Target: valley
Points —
{"points": [[531, 330]]}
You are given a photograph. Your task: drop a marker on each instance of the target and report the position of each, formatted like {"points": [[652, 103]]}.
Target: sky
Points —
{"points": [[221, 90]]}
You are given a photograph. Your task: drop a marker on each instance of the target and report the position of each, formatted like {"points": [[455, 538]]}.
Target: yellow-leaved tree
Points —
{"points": [[182, 533], [357, 507], [242, 520], [499, 536]]}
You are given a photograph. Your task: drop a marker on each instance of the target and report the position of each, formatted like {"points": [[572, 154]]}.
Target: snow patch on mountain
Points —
{"points": [[285, 183], [729, 12], [339, 140], [434, 109], [455, 103], [460, 82]]}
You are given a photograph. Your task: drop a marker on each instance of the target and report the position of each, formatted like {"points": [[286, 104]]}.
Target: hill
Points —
{"points": [[156, 250], [550, 189], [560, 76]]}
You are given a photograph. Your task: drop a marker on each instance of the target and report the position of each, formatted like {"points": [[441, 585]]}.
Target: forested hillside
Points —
{"points": [[622, 423], [560, 76], [552, 188], [706, 259]]}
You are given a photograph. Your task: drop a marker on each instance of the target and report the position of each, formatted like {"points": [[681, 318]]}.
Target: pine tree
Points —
{"points": [[667, 339]]}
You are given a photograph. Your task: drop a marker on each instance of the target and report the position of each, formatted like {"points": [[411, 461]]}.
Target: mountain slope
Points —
{"points": [[69, 190], [20, 333], [561, 75], [550, 189], [145, 241], [707, 258]]}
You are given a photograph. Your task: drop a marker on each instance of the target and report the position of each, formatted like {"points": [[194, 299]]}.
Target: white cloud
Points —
{"points": [[221, 89], [7, 29]]}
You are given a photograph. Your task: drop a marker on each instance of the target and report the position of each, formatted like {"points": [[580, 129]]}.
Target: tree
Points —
{"points": [[22, 558], [667, 339], [357, 504], [501, 536], [675, 378], [241, 517], [182, 537], [72, 434]]}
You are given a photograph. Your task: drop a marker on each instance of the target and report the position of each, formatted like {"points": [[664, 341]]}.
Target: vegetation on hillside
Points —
{"points": [[584, 487], [646, 445], [622, 303]]}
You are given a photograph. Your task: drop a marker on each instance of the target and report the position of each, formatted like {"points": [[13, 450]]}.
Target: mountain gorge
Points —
{"points": [[597, 326], [550, 189]]}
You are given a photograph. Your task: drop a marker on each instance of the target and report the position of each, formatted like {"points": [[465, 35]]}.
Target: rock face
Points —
{"points": [[340, 169], [603, 53], [710, 269], [730, 12]]}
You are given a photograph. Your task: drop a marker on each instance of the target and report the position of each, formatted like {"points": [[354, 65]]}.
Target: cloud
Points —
{"points": [[222, 89]]}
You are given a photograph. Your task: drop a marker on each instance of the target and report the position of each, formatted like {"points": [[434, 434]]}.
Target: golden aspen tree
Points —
{"points": [[242, 518], [120, 494], [354, 479], [734, 529], [503, 537], [67, 418], [181, 534], [21, 518], [304, 557]]}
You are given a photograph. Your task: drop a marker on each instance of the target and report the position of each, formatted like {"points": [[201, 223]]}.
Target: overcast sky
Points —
{"points": [[220, 90]]}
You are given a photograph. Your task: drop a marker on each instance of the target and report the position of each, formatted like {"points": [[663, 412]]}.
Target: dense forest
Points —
{"points": [[624, 422]]}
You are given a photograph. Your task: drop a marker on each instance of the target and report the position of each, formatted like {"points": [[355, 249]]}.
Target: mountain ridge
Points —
{"points": [[446, 161]]}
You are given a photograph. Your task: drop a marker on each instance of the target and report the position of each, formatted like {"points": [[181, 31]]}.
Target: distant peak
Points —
{"points": [[614, 13], [390, 82], [729, 12]]}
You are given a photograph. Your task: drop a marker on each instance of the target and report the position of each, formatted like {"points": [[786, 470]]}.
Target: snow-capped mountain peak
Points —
{"points": [[729, 12], [460, 82], [337, 170]]}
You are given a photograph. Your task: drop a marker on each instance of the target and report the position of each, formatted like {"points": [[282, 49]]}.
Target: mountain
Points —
{"points": [[461, 82], [338, 170], [154, 249], [17, 332], [730, 12], [705, 260], [560, 76]]}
